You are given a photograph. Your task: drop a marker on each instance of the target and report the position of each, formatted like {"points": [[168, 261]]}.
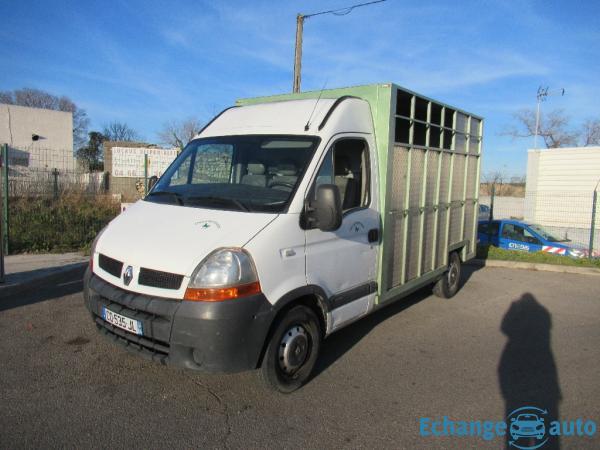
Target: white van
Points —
{"points": [[284, 220]]}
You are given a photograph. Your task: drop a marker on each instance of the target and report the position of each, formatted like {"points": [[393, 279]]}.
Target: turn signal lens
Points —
{"points": [[220, 294]]}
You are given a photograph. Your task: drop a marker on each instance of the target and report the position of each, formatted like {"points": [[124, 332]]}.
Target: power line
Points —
{"points": [[342, 11]]}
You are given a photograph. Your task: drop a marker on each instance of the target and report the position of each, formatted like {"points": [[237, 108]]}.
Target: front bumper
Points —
{"points": [[223, 336]]}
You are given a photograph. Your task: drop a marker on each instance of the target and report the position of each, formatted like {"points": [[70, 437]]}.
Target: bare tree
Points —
{"points": [[590, 134], [36, 98], [179, 133], [553, 128], [119, 131]]}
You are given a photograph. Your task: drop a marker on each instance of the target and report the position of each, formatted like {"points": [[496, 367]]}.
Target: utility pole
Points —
{"points": [[300, 30], [298, 52], [542, 94]]}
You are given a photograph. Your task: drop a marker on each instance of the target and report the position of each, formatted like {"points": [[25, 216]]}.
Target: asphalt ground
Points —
{"points": [[509, 338]]}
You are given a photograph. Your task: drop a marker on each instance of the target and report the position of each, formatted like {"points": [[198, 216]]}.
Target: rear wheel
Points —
{"points": [[292, 350], [448, 285]]}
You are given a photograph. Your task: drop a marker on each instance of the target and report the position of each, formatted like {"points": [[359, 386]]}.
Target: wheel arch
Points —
{"points": [[311, 296]]}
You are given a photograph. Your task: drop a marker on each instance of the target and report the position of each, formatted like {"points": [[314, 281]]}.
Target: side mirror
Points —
{"points": [[327, 208], [151, 182]]}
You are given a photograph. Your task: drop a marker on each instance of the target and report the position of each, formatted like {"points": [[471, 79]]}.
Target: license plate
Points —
{"points": [[125, 323]]}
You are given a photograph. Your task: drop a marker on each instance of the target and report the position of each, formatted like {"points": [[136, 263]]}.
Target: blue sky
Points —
{"points": [[149, 62]]}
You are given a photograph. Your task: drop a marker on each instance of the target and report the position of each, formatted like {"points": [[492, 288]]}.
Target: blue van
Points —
{"points": [[515, 235]]}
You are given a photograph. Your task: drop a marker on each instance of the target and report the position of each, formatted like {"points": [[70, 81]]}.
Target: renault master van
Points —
{"points": [[284, 220]]}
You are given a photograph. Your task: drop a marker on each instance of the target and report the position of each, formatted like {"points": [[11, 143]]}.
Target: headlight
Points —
{"points": [[223, 275]]}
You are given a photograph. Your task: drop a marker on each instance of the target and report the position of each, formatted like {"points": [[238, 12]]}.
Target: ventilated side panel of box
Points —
{"points": [[396, 219], [428, 241], [417, 168], [469, 224], [396, 222], [456, 213], [472, 182], [431, 199], [442, 244], [398, 184], [432, 174], [471, 206], [417, 174], [445, 177], [412, 245], [458, 177]]}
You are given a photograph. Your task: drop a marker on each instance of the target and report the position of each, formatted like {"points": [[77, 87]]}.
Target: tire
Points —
{"points": [[292, 350], [448, 285]]}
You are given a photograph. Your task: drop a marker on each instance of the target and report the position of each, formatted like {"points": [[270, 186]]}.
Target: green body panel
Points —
{"points": [[382, 99]]}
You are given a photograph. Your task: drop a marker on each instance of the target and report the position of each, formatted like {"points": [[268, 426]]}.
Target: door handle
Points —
{"points": [[373, 235]]}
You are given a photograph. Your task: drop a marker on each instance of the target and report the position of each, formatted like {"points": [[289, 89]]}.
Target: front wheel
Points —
{"points": [[448, 285], [292, 350]]}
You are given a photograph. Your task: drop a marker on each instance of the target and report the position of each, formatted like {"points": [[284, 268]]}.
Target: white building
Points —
{"points": [[37, 138], [559, 189]]}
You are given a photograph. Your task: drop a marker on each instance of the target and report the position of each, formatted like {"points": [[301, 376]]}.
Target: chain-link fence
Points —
{"points": [[51, 201], [571, 216]]}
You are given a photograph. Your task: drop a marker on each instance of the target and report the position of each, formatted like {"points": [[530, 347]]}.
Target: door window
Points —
{"points": [[518, 233], [347, 166]]}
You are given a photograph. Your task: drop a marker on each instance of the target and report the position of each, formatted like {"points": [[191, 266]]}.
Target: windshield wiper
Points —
{"points": [[163, 193], [220, 200]]}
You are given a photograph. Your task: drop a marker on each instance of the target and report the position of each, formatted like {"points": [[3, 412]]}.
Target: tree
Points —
{"points": [[553, 128], [178, 134], [36, 98], [119, 131], [591, 132], [92, 154]]}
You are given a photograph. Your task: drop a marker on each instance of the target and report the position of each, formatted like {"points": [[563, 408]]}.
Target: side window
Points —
{"points": [[509, 231], [347, 166], [518, 233], [325, 175], [181, 175]]}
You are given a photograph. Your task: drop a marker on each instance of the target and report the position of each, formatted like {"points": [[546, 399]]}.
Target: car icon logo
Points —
{"points": [[128, 275]]}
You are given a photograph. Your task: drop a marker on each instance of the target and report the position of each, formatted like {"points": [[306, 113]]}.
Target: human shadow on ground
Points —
{"points": [[527, 373]]}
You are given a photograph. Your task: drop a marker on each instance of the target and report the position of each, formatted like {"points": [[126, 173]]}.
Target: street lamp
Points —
{"points": [[299, 31]]}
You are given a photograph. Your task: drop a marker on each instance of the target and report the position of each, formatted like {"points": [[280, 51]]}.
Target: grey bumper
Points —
{"points": [[223, 336]]}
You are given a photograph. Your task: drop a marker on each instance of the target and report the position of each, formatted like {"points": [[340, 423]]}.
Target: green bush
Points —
{"points": [[69, 223], [491, 252]]}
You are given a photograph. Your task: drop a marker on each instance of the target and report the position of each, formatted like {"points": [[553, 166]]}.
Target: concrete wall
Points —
{"points": [[505, 207], [560, 183], [54, 149]]}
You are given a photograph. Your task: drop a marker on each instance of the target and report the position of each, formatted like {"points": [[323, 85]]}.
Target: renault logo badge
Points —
{"points": [[128, 275]]}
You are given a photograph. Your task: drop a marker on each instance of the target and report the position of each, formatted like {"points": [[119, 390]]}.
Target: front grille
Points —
{"points": [[110, 265], [156, 278]]}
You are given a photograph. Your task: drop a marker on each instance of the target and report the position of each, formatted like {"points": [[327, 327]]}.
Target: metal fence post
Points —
{"points": [[491, 216], [55, 175], [593, 224], [145, 173], [5, 229]]}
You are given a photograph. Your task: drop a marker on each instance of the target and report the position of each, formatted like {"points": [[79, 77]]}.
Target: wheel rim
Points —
{"points": [[293, 349], [453, 274]]}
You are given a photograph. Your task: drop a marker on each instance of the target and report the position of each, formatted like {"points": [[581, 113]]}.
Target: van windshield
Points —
{"points": [[256, 173]]}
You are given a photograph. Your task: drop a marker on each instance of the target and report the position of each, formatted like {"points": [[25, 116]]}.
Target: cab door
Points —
{"points": [[344, 262]]}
